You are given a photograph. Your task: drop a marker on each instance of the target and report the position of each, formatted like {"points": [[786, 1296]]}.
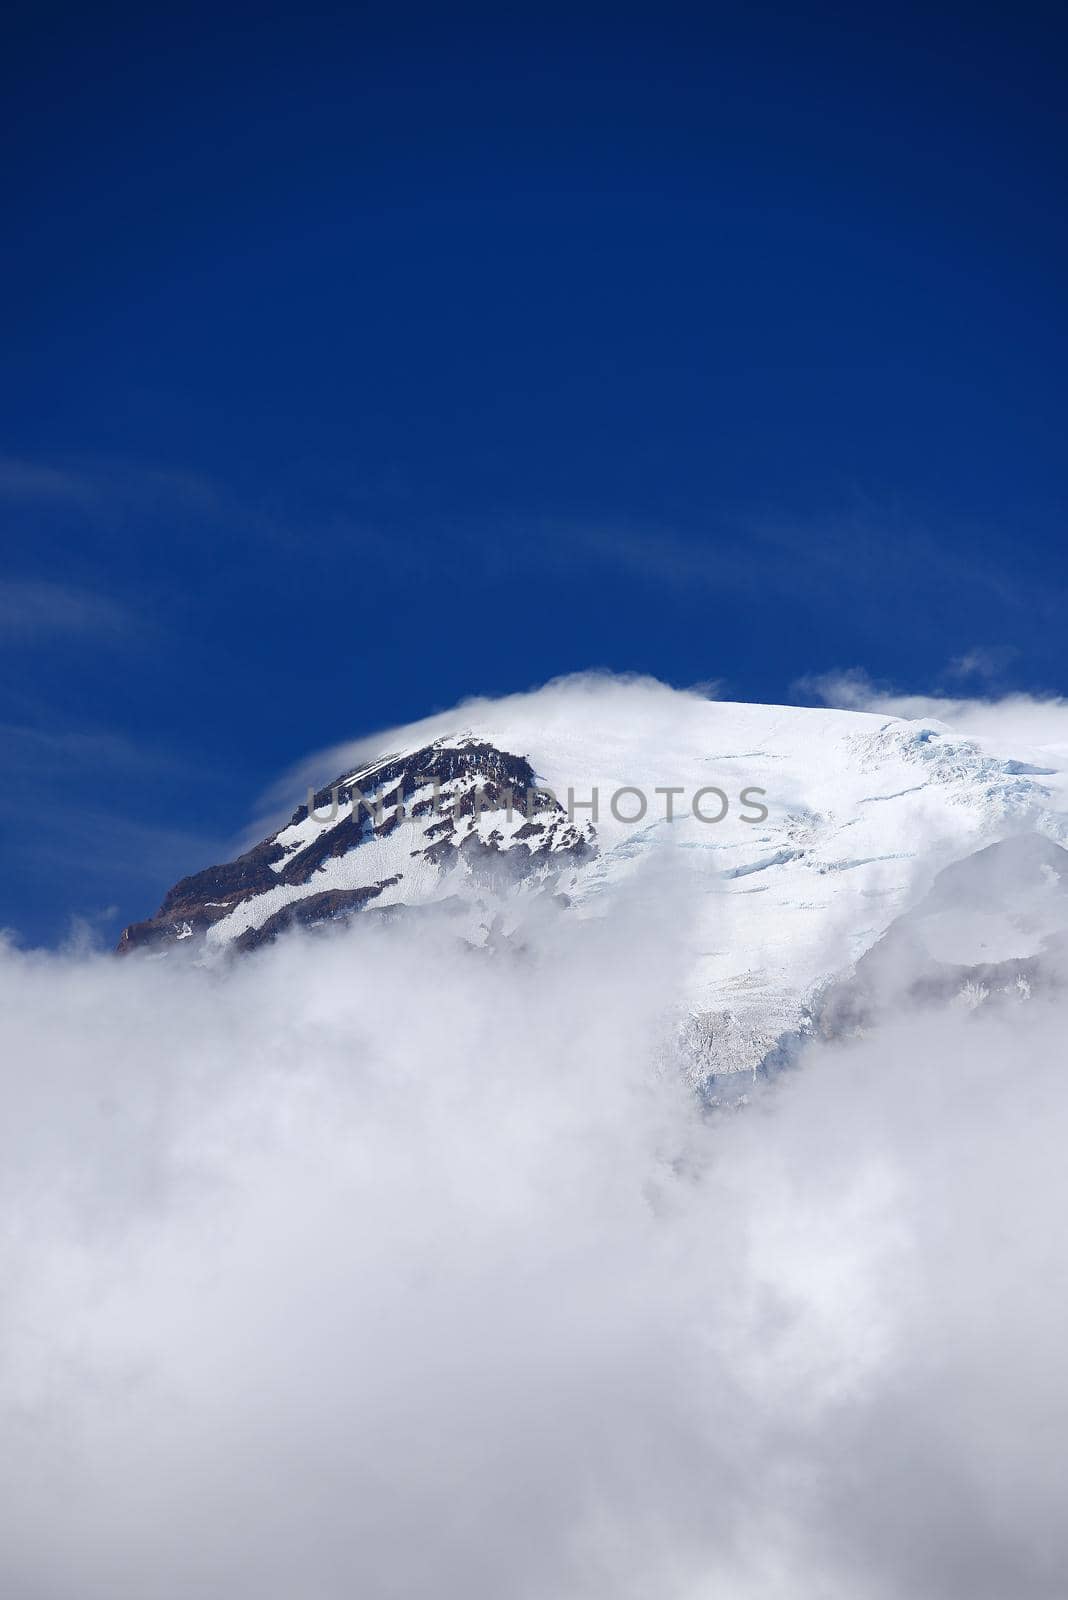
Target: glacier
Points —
{"points": [[864, 811]]}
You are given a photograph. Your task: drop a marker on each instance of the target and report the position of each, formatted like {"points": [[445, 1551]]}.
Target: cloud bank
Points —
{"points": [[1019, 721], [375, 1266]]}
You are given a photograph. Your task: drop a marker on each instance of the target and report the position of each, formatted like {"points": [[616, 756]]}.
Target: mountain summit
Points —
{"points": [[786, 841]]}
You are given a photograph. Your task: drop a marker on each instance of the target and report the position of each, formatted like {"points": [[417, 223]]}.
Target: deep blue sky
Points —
{"points": [[358, 361]]}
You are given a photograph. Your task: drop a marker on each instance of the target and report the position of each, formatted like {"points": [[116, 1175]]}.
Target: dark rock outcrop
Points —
{"points": [[441, 789]]}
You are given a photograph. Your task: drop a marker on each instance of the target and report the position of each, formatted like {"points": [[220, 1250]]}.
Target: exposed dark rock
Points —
{"points": [[310, 912], [367, 805]]}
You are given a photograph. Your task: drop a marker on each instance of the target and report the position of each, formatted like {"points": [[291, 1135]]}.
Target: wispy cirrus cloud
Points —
{"points": [[54, 750], [102, 486], [984, 663], [116, 835], [868, 553], [35, 608], [37, 482]]}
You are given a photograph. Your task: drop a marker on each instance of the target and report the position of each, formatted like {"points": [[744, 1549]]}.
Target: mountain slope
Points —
{"points": [[829, 827]]}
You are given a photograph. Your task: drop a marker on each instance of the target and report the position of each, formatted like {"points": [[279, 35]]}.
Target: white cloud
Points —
{"points": [[1016, 722], [982, 661], [577, 704], [372, 1266]]}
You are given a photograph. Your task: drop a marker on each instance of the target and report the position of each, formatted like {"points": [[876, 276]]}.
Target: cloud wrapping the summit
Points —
{"points": [[1017, 720]]}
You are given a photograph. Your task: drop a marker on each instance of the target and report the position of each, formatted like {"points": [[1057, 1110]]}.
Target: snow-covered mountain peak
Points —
{"points": [[801, 834]]}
